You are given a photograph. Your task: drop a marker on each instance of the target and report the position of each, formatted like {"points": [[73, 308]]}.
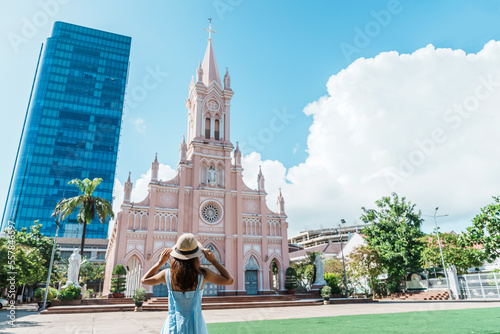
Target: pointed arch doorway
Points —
{"points": [[252, 276]]}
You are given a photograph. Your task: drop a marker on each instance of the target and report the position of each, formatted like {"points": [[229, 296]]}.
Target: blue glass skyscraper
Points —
{"points": [[72, 127]]}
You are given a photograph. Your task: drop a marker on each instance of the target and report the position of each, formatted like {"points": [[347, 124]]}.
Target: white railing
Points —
{"points": [[133, 281], [480, 285]]}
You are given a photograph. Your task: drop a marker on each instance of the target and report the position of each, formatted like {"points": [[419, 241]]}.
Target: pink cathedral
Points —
{"points": [[207, 198]]}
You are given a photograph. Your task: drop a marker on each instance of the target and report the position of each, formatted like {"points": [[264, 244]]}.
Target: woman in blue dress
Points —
{"points": [[185, 280]]}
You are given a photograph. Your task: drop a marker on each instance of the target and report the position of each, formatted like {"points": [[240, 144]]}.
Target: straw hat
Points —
{"points": [[187, 247]]}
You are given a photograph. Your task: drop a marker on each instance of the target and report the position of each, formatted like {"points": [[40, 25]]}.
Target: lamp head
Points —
{"points": [[342, 221]]}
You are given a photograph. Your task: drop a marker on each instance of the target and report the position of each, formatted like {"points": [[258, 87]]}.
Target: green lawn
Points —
{"points": [[483, 320]]}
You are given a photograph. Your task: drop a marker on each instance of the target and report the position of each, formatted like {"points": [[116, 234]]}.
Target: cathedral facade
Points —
{"points": [[208, 198]]}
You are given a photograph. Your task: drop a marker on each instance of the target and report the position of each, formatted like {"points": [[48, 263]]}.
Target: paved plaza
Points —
{"points": [[29, 321]]}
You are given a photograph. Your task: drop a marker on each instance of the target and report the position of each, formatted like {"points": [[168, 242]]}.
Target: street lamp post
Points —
{"points": [[50, 266], [441, 251], [343, 262]]}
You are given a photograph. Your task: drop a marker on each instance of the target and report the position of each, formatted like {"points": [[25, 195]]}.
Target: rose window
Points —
{"points": [[210, 213]]}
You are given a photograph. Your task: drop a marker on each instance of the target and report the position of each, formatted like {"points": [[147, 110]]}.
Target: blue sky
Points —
{"points": [[280, 55]]}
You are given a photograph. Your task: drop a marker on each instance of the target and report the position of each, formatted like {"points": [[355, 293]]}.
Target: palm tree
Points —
{"points": [[89, 205]]}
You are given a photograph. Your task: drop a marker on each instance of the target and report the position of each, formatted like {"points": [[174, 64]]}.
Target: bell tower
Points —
{"points": [[209, 101]]}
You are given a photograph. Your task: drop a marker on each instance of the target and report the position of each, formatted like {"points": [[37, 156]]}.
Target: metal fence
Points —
{"points": [[437, 284], [480, 286]]}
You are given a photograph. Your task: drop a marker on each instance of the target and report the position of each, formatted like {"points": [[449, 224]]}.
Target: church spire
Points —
{"points": [[281, 204], [237, 156], [183, 149], [260, 180], [154, 169], [209, 66], [127, 187], [227, 80]]}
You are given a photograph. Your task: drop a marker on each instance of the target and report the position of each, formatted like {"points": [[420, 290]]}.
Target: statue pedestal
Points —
{"points": [[317, 286]]}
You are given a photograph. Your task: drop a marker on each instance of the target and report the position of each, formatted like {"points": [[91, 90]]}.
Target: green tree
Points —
{"points": [[305, 270], [334, 276], [485, 230], [99, 272], [87, 272], [454, 252], [396, 236], [33, 238], [365, 264], [90, 206], [30, 266], [4, 261]]}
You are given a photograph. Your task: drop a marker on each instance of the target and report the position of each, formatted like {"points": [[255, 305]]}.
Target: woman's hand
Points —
{"points": [[209, 255], [165, 255]]}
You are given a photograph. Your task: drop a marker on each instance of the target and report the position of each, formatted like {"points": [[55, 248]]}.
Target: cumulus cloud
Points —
{"points": [[140, 125], [423, 125]]}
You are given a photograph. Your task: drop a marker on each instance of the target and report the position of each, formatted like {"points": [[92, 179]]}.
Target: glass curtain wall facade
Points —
{"points": [[72, 127]]}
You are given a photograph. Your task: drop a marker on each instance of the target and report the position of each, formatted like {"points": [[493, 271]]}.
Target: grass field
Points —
{"points": [[483, 320]]}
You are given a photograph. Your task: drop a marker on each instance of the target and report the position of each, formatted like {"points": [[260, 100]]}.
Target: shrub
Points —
{"points": [[51, 295], [139, 295], [71, 292], [118, 282], [119, 270], [290, 279], [326, 291], [333, 281], [89, 293]]}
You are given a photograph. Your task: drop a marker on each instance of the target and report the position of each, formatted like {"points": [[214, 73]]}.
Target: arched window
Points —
{"points": [[220, 176], [207, 128], [216, 128], [203, 174]]}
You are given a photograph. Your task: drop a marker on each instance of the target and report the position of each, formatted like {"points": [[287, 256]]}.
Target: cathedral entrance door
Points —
{"points": [[251, 282]]}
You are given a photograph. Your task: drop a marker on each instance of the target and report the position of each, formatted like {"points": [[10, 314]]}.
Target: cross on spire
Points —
{"points": [[210, 31]]}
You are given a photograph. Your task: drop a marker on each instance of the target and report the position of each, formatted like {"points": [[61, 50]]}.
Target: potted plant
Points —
{"points": [[138, 298], [326, 291], [290, 280], [40, 294], [118, 281], [89, 293], [70, 295]]}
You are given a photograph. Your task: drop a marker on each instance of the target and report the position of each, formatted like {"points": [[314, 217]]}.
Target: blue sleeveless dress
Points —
{"points": [[184, 310]]}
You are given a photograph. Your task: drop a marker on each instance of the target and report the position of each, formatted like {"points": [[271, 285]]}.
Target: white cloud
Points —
{"points": [[140, 125], [372, 135]]}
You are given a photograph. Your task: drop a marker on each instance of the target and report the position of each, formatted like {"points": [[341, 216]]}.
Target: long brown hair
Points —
{"points": [[185, 273]]}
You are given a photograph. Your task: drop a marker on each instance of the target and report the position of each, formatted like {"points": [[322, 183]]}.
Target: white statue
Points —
{"points": [[320, 271], [212, 176], [75, 261]]}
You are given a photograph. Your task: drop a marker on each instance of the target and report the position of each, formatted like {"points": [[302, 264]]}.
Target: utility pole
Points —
{"points": [[50, 266], [343, 262]]}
